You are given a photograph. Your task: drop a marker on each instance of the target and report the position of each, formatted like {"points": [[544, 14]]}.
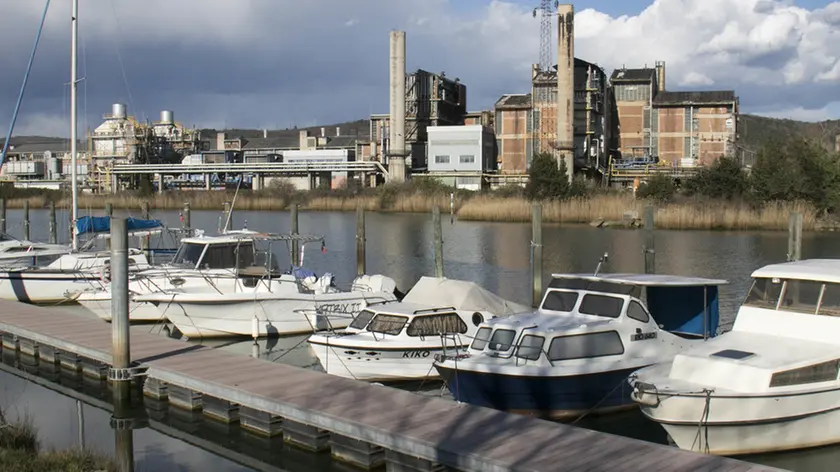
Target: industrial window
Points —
{"points": [[830, 303], [764, 293], [801, 296], [582, 346], [362, 319], [387, 324], [823, 372], [558, 300], [435, 325], [601, 305], [441, 159], [530, 347], [481, 338], [502, 339], [637, 312], [467, 159]]}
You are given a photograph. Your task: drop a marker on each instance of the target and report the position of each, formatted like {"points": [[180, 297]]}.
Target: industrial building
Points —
{"points": [[460, 155]]}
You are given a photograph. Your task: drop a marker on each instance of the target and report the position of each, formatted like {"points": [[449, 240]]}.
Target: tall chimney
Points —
{"points": [[396, 161], [338, 130], [265, 133], [323, 132], [566, 87], [660, 76], [220, 141]]}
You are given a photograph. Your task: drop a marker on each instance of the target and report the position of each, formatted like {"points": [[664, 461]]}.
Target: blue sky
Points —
{"points": [[280, 63]]}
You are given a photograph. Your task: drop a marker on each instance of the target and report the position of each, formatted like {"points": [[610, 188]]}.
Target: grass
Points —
{"points": [[421, 197], [19, 452]]}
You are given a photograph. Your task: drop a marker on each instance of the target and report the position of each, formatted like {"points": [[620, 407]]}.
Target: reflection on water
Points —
{"points": [[495, 255]]}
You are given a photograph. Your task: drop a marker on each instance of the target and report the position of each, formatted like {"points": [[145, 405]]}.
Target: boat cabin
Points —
{"points": [[397, 318], [585, 316]]}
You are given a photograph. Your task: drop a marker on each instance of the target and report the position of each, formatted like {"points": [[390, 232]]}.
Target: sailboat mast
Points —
{"points": [[73, 119]]}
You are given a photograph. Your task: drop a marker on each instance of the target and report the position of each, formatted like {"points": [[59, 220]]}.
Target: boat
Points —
{"points": [[398, 340], [572, 356], [201, 264], [21, 252], [771, 383], [259, 300]]}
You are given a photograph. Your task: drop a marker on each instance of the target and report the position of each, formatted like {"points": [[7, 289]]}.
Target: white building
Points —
{"points": [[468, 148], [311, 156]]}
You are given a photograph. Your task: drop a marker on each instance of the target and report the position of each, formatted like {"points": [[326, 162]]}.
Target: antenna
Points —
{"points": [[546, 10], [543, 126]]}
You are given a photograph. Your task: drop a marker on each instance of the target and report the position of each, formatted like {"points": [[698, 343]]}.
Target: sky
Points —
{"points": [[283, 63]]}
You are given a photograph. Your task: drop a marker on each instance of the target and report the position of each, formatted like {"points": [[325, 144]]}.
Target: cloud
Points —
{"points": [[272, 63]]}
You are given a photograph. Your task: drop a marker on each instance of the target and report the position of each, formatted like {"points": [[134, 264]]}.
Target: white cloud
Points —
{"points": [[302, 61]]}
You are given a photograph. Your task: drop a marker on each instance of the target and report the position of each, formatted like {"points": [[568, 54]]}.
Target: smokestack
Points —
{"points": [[338, 130], [396, 161], [220, 141], [660, 76], [265, 133], [323, 133], [566, 87]]}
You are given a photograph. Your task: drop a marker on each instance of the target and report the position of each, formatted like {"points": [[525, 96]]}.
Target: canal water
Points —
{"points": [[494, 255]]}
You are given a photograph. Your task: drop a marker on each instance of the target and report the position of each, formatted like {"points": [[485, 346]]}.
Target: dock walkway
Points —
{"points": [[436, 431]]}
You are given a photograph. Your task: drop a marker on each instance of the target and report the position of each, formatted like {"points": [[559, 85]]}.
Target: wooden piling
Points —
{"points": [[794, 236], [26, 225], [3, 215], [187, 225], [147, 215], [361, 266], [295, 228], [438, 232], [536, 254], [649, 251], [53, 227]]}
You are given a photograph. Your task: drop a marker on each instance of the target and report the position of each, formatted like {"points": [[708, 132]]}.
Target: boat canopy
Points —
{"points": [[460, 295], [102, 224], [678, 304]]}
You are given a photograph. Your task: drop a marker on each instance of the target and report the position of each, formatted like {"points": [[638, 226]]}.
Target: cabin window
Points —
{"points": [[601, 305], [764, 293], [502, 339], [228, 256], [387, 324], [435, 325], [481, 338], [188, 254], [530, 347], [830, 303], [823, 372], [557, 300], [801, 295], [582, 346], [637, 312], [362, 319]]}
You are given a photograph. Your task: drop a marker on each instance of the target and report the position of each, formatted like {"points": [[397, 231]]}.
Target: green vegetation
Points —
{"points": [[659, 188], [20, 452]]}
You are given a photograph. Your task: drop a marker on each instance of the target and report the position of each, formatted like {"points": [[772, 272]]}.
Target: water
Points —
{"points": [[495, 255]]}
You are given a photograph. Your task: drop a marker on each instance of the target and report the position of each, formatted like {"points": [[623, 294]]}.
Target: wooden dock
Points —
{"points": [[351, 418]]}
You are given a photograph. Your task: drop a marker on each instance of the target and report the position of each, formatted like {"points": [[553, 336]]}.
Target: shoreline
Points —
{"points": [[614, 210]]}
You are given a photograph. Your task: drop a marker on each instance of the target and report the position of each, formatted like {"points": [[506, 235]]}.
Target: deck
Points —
{"points": [[435, 430]]}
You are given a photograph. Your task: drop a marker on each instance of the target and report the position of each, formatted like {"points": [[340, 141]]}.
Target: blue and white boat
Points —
{"points": [[573, 355]]}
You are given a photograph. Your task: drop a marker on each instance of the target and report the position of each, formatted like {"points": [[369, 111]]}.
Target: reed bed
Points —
{"points": [[705, 215]]}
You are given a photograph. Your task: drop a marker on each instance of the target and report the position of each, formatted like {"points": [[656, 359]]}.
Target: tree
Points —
{"points": [[723, 179], [658, 187], [546, 180]]}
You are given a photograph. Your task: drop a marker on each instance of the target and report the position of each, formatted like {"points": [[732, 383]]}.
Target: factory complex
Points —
{"points": [[611, 128]]}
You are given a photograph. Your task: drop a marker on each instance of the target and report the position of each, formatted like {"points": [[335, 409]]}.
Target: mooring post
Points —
{"points": [[109, 212], [650, 252], [26, 219], [536, 254], [794, 236], [361, 268], [295, 245], [438, 235], [451, 207], [187, 222], [147, 215], [53, 228], [119, 299], [3, 215]]}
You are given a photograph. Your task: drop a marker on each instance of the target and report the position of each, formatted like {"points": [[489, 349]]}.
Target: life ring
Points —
{"points": [[105, 274]]}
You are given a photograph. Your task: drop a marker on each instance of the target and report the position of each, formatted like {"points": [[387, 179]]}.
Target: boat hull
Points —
{"points": [[738, 425], [557, 397], [137, 311], [43, 287], [374, 364], [220, 316]]}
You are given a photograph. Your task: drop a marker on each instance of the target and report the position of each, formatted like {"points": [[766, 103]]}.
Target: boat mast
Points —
{"points": [[73, 118]]}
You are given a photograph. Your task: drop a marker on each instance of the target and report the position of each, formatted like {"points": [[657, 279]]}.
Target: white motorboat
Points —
{"points": [[573, 355], [258, 300], [399, 340], [771, 383], [21, 253]]}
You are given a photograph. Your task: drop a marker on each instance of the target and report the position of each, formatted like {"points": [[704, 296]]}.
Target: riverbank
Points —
{"points": [[496, 207], [19, 452]]}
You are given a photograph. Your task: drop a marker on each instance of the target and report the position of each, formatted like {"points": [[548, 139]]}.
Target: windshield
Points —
{"points": [[188, 254]]}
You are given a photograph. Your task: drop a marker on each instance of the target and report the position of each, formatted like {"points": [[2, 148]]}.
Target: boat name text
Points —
{"points": [[643, 336], [416, 354]]}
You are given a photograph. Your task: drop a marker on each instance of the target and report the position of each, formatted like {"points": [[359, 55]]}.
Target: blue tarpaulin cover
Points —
{"points": [[102, 224]]}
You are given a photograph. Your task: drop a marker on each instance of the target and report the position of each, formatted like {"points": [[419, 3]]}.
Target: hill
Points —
{"points": [[757, 130]]}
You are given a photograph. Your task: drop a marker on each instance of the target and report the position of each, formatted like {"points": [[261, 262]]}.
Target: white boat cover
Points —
{"points": [[461, 295]]}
